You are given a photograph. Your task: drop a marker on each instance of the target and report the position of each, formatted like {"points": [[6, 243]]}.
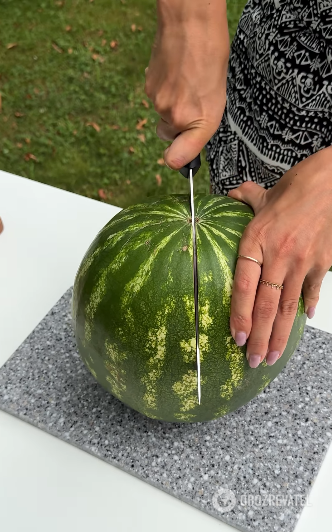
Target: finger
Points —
{"points": [[265, 311], [165, 131], [187, 146], [311, 289], [284, 320], [246, 278]]}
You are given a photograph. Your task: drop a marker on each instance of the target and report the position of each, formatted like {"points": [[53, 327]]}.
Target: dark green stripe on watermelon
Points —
{"points": [[133, 310]]}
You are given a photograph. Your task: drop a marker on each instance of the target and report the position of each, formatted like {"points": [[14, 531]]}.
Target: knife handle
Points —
{"points": [[195, 164]]}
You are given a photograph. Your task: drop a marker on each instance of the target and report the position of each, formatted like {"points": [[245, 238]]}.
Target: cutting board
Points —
{"points": [[252, 469]]}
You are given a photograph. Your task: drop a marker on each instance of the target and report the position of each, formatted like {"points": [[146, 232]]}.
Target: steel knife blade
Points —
{"points": [[189, 171]]}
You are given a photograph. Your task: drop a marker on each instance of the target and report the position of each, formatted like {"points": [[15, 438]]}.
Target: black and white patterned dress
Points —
{"points": [[279, 93]]}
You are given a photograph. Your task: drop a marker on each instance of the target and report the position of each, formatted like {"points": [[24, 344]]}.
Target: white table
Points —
{"points": [[45, 483]]}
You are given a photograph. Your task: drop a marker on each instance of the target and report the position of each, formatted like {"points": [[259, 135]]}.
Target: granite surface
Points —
{"points": [[252, 469]]}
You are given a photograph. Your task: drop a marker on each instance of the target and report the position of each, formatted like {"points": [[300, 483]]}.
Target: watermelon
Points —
{"points": [[133, 310]]}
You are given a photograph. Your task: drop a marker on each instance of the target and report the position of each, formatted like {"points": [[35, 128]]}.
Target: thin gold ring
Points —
{"points": [[250, 258]]}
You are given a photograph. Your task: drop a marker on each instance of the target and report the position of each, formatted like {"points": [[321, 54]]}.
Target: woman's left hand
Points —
{"points": [[291, 235]]}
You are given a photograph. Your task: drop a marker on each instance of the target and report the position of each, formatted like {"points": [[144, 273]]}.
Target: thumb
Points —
{"points": [[250, 193], [186, 146]]}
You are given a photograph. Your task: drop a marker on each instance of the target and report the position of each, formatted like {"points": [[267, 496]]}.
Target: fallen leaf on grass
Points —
{"points": [[145, 103], [29, 97], [140, 28], [86, 75], [74, 132], [131, 149], [30, 156], [114, 44], [36, 91], [158, 179], [19, 144], [115, 127], [103, 42], [102, 194], [68, 28], [56, 47], [70, 50], [100, 32], [1, 226], [27, 141], [11, 45], [141, 123], [97, 57], [128, 181], [133, 27], [59, 3], [94, 125], [141, 137], [18, 115], [161, 162]]}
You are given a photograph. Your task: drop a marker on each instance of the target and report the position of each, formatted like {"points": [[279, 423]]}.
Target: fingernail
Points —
{"points": [[311, 312], [272, 357], [240, 338], [254, 361]]}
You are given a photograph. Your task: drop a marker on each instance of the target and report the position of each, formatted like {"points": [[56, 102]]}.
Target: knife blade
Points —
{"points": [[188, 171]]}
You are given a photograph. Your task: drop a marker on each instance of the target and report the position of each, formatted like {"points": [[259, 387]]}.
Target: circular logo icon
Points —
{"points": [[224, 500]]}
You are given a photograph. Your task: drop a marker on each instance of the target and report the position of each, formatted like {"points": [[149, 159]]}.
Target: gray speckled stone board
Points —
{"points": [[266, 454]]}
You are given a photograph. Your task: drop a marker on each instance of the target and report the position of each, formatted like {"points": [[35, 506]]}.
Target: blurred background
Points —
{"points": [[73, 113]]}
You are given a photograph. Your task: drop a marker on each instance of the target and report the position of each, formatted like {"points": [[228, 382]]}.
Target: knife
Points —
{"points": [[188, 171]]}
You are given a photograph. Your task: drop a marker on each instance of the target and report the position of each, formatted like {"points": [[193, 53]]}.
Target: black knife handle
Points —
{"points": [[195, 165]]}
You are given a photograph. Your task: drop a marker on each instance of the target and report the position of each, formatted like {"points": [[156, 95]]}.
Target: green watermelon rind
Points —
{"points": [[133, 310]]}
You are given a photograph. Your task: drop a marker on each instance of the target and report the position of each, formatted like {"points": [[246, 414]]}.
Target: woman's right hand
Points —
{"points": [[187, 75]]}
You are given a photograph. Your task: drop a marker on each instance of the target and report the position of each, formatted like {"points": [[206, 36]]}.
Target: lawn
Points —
{"points": [[73, 113]]}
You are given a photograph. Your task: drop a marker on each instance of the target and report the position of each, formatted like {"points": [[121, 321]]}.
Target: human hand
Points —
{"points": [[291, 236], [187, 74]]}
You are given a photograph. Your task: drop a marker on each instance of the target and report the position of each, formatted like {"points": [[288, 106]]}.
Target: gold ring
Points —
{"points": [[250, 258], [273, 285]]}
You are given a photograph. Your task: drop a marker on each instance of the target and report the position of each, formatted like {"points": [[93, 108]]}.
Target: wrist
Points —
{"points": [[183, 12]]}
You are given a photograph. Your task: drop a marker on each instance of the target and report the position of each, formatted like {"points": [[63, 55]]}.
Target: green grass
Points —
{"points": [[59, 93]]}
